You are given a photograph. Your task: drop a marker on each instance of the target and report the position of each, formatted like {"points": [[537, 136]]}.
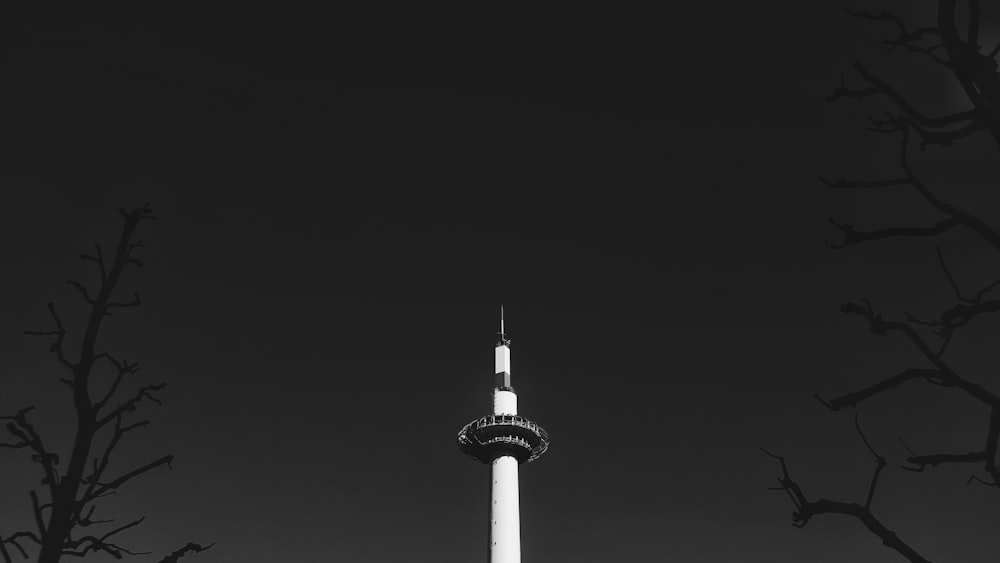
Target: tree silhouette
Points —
{"points": [[950, 45], [64, 510]]}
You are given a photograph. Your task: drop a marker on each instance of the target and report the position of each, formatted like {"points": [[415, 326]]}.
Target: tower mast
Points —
{"points": [[503, 440]]}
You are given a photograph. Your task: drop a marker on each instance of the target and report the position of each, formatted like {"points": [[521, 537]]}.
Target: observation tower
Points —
{"points": [[503, 440]]}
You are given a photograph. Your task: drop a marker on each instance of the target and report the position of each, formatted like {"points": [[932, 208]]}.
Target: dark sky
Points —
{"points": [[346, 199]]}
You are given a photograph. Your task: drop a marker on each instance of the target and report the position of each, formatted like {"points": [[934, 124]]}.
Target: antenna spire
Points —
{"points": [[502, 339]]}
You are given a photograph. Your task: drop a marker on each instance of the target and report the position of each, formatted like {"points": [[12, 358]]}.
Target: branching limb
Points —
{"points": [[920, 462], [135, 302], [852, 399], [951, 319], [124, 369], [992, 437], [844, 184], [22, 429], [6, 554], [878, 325], [805, 510], [975, 72], [951, 279], [879, 86], [130, 258], [988, 288], [945, 138], [114, 484], [879, 464], [98, 259], [909, 40], [189, 548], [963, 217], [59, 333], [975, 12], [959, 315], [946, 376], [36, 509], [15, 428], [987, 456], [88, 519], [954, 215], [80, 547], [853, 236], [857, 93], [13, 540], [94, 479], [83, 290], [144, 392]]}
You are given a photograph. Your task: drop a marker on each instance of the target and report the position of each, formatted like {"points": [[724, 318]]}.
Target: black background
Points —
{"points": [[345, 199]]}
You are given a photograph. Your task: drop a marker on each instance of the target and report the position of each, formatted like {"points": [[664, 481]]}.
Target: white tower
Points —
{"points": [[503, 440]]}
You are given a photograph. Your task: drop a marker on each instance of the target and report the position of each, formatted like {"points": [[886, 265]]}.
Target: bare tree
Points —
{"points": [[64, 510], [952, 46]]}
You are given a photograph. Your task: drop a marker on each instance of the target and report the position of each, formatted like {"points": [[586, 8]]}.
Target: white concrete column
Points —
{"points": [[501, 355], [504, 402], [505, 517]]}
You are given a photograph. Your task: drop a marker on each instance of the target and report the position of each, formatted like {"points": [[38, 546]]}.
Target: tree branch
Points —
{"points": [[99, 260], [83, 290], [844, 184], [805, 510], [987, 455], [950, 278], [910, 40], [59, 333], [879, 86], [852, 399], [94, 544], [145, 392], [124, 368], [28, 437], [947, 376], [94, 478], [101, 489], [853, 236], [36, 509], [13, 540], [879, 464], [6, 554], [959, 315], [189, 548], [967, 219], [882, 327], [135, 302], [955, 216], [975, 72], [944, 138], [975, 11]]}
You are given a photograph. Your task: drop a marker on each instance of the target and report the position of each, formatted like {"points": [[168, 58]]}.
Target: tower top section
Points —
{"points": [[504, 433], [502, 355]]}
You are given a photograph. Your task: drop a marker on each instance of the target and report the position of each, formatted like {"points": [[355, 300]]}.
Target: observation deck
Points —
{"points": [[492, 436]]}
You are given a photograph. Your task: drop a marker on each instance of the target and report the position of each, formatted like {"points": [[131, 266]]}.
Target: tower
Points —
{"points": [[503, 440]]}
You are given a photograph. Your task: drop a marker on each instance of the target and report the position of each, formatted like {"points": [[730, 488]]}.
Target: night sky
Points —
{"points": [[344, 201]]}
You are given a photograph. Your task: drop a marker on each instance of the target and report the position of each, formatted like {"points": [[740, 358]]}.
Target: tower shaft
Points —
{"points": [[505, 516], [505, 502]]}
